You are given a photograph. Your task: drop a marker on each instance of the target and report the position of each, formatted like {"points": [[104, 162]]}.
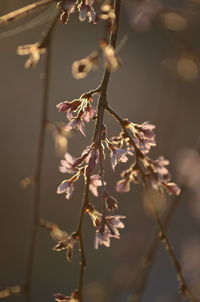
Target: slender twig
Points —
{"points": [[102, 102], [83, 263], [39, 162]]}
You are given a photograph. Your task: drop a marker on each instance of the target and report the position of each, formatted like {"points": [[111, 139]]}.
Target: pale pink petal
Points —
{"points": [[63, 187]]}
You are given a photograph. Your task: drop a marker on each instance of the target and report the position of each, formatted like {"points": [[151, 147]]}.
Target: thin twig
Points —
{"points": [[146, 263], [184, 289], [39, 162], [83, 262]]}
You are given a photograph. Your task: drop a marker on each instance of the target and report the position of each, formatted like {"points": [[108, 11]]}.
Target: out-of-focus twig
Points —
{"points": [[39, 162], [21, 12]]}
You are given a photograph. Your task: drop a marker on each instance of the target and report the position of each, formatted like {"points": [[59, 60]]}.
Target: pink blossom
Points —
{"points": [[68, 245], [86, 11], [89, 113], [144, 136], [67, 165], [118, 155], [75, 124], [92, 161], [107, 229], [69, 106], [66, 187], [95, 182], [123, 185], [160, 172], [172, 188], [158, 175]]}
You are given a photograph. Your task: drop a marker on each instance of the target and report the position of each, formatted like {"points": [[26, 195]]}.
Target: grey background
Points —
{"points": [[139, 91]]}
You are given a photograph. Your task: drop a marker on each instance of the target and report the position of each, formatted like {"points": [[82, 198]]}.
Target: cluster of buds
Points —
{"points": [[111, 58], [106, 12], [33, 51], [82, 67], [83, 113]]}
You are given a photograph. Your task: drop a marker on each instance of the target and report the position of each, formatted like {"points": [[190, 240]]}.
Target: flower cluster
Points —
{"points": [[143, 136], [143, 169], [106, 227], [83, 113], [117, 153], [87, 10], [83, 165]]}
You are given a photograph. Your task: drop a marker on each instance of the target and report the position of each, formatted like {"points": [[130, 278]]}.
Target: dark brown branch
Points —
{"points": [[102, 102]]}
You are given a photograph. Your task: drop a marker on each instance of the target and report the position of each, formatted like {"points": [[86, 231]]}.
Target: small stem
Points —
{"points": [[83, 262], [102, 181]]}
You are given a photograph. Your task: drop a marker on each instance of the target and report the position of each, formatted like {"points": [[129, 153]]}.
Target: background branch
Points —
{"points": [[39, 161]]}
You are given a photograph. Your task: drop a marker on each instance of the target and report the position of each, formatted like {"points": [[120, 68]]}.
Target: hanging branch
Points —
{"points": [[102, 103], [184, 288]]}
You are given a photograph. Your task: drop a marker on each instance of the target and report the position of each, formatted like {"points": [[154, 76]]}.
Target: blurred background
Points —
{"points": [[158, 81]]}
